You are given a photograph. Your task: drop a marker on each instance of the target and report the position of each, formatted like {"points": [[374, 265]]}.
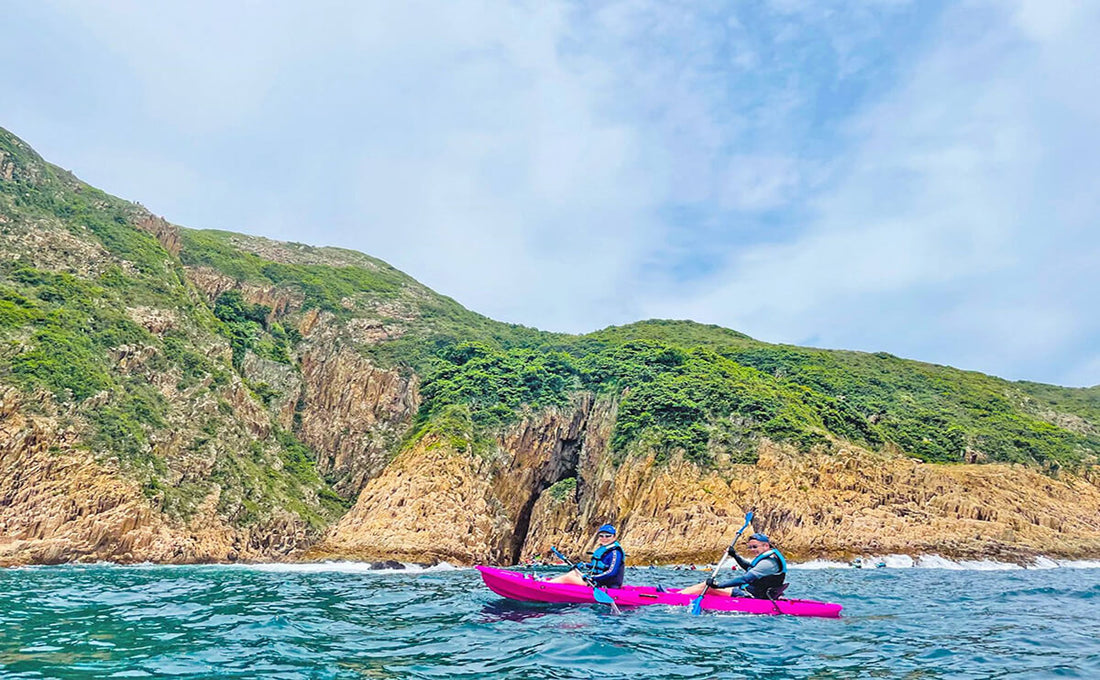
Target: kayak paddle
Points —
{"points": [[697, 603], [601, 595]]}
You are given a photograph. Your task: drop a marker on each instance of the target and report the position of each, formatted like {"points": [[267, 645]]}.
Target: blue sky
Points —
{"points": [[921, 178]]}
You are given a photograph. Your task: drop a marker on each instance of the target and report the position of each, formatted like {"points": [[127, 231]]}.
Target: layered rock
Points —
{"points": [[166, 233], [837, 505], [212, 283], [59, 504], [438, 503], [352, 413]]}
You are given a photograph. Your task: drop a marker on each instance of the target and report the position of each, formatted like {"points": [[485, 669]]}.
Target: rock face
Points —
{"points": [[434, 502], [213, 283], [167, 234], [438, 503], [353, 413], [58, 504], [837, 505]]}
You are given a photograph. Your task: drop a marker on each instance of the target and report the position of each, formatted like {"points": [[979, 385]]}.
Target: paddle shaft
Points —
{"points": [[576, 565], [598, 593], [697, 603]]}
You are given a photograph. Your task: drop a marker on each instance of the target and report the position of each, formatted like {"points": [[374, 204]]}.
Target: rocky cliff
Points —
{"points": [[174, 395], [59, 503], [446, 498], [440, 503]]}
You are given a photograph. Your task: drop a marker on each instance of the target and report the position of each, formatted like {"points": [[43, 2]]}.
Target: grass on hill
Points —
{"points": [[682, 386]]}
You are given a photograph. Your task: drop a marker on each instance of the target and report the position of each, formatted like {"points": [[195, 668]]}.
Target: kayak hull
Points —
{"points": [[518, 586]]}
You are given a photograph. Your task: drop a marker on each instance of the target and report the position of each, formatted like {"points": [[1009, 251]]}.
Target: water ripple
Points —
{"points": [[238, 622]]}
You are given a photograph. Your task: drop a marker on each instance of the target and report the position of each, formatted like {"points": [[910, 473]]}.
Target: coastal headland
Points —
{"points": [[182, 396]]}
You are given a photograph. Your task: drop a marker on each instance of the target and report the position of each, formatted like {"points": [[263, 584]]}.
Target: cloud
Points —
{"points": [[458, 141], [873, 175], [753, 183], [968, 201]]}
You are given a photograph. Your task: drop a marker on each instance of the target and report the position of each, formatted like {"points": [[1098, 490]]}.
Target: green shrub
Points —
{"points": [[16, 311], [62, 361], [563, 489], [495, 384]]}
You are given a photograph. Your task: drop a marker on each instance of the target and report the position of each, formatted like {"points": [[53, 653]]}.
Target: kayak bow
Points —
{"points": [[518, 586]]}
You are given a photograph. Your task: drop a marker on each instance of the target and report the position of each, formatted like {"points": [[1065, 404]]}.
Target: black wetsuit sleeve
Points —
{"points": [[742, 562]]}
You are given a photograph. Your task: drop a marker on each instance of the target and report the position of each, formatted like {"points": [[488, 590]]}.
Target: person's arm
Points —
{"points": [[766, 567], [741, 561], [612, 565]]}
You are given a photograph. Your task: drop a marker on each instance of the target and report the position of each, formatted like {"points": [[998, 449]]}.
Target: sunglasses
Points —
{"points": [[602, 535]]}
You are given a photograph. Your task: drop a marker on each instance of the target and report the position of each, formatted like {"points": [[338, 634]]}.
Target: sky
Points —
{"points": [[920, 178]]}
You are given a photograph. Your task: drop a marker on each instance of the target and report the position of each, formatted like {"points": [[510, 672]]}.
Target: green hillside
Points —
{"points": [[683, 387], [73, 264]]}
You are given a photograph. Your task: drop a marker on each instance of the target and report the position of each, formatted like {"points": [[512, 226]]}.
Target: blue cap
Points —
{"points": [[606, 529], [759, 537]]}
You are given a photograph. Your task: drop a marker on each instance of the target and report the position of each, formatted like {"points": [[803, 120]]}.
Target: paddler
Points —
{"points": [[765, 572], [607, 565]]}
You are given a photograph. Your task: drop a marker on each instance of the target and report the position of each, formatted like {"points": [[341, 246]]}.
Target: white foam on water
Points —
{"points": [[898, 561], [939, 562], [989, 565], [442, 566], [1079, 564], [820, 564], [936, 562], [1043, 563]]}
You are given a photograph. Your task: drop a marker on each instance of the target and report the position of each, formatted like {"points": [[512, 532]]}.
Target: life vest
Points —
{"points": [[603, 560], [601, 549], [760, 587]]}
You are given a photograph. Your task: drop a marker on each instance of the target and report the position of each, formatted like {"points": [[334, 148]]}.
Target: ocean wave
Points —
{"points": [[1041, 562], [1079, 564], [820, 564], [899, 561], [939, 562]]}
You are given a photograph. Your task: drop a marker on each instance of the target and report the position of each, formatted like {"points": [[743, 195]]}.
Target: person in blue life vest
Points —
{"points": [[607, 565], [766, 571]]}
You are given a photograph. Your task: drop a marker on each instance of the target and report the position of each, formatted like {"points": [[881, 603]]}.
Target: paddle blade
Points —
{"points": [[697, 606], [604, 598]]}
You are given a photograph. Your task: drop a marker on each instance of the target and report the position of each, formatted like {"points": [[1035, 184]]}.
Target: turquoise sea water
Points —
{"points": [[343, 621]]}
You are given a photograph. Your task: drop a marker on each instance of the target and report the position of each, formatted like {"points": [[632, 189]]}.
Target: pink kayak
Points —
{"points": [[525, 588]]}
